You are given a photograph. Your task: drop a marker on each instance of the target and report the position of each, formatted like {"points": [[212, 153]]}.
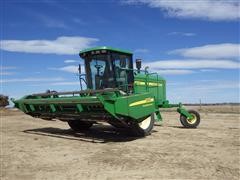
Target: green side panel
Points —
{"points": [[154, 84], [135, 106], [121, 106]]}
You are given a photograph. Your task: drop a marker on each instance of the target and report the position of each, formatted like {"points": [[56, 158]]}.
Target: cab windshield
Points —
{"points": [[108, 70]]}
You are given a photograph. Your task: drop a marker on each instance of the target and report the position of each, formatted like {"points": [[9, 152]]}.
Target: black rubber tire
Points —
{"points": [[137, 130], [185, 122], [78, 125], [117, 125]]}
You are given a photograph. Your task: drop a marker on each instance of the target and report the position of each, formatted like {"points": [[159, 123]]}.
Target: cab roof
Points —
{"points": [[105, 48]]}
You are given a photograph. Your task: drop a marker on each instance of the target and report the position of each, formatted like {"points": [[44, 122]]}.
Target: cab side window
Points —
{"points": [[121, 64]]}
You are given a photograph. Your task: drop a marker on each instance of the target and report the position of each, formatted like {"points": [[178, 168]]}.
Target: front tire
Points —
{"points": [[143, 128], [78, 125], [190, 123]]}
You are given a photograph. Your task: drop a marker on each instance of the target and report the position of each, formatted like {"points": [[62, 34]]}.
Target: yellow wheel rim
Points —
{"points": [[192, 120], [145, 123]]}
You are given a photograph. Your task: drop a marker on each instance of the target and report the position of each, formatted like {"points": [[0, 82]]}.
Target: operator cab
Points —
{"points": [[107, 67]]}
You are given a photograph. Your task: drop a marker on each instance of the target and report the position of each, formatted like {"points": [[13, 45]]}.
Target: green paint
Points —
{"points": [[152, 83], [105, 48], [79, 108], [53, 109], [60, 100], [184, 112], [32, 107]]}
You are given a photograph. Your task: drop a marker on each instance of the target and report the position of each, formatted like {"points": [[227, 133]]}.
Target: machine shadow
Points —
{"points": [[182, 127], [96, 134]]}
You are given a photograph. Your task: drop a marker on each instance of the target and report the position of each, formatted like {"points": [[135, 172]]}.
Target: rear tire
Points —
{"points": [[143, 128], [78, 125], [117, 125], [190, 123]]}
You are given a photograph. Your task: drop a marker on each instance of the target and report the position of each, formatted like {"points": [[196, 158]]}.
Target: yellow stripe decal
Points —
{"points": [[145, 101], [142, 83], [145, 105]]}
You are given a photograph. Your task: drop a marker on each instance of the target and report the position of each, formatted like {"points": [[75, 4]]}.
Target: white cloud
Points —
{"points": [[208, 70], [6, 73], [62, 45], [188, 34], [7, 67], [70, 61], [4, 70], [192, 64], [31, 80], [225, 50], [141, 50], [203, 9]]}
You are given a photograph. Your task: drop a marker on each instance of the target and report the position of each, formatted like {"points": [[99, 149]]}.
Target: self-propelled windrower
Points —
{"points": [[115, 93]]}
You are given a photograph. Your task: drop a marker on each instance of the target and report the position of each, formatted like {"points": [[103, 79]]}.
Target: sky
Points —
{"points": [[194, 45]]}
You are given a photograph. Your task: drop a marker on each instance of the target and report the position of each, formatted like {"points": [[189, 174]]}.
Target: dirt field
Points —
{"points": [[37, 149]]}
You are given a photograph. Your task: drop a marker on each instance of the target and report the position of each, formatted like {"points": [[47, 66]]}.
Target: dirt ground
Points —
{"points": [[37, 149]]}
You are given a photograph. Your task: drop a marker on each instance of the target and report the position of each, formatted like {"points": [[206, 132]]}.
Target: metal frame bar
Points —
{"points": [[76, 92]]}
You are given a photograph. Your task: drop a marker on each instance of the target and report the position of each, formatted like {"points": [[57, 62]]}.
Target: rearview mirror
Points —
{"points": [[138, 64]]}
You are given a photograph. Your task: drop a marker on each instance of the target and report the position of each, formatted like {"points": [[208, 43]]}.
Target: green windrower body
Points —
{"points": [[115, 93]]}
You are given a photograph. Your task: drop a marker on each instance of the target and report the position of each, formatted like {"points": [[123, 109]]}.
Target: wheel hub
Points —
{"points": [[192, 120]]}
